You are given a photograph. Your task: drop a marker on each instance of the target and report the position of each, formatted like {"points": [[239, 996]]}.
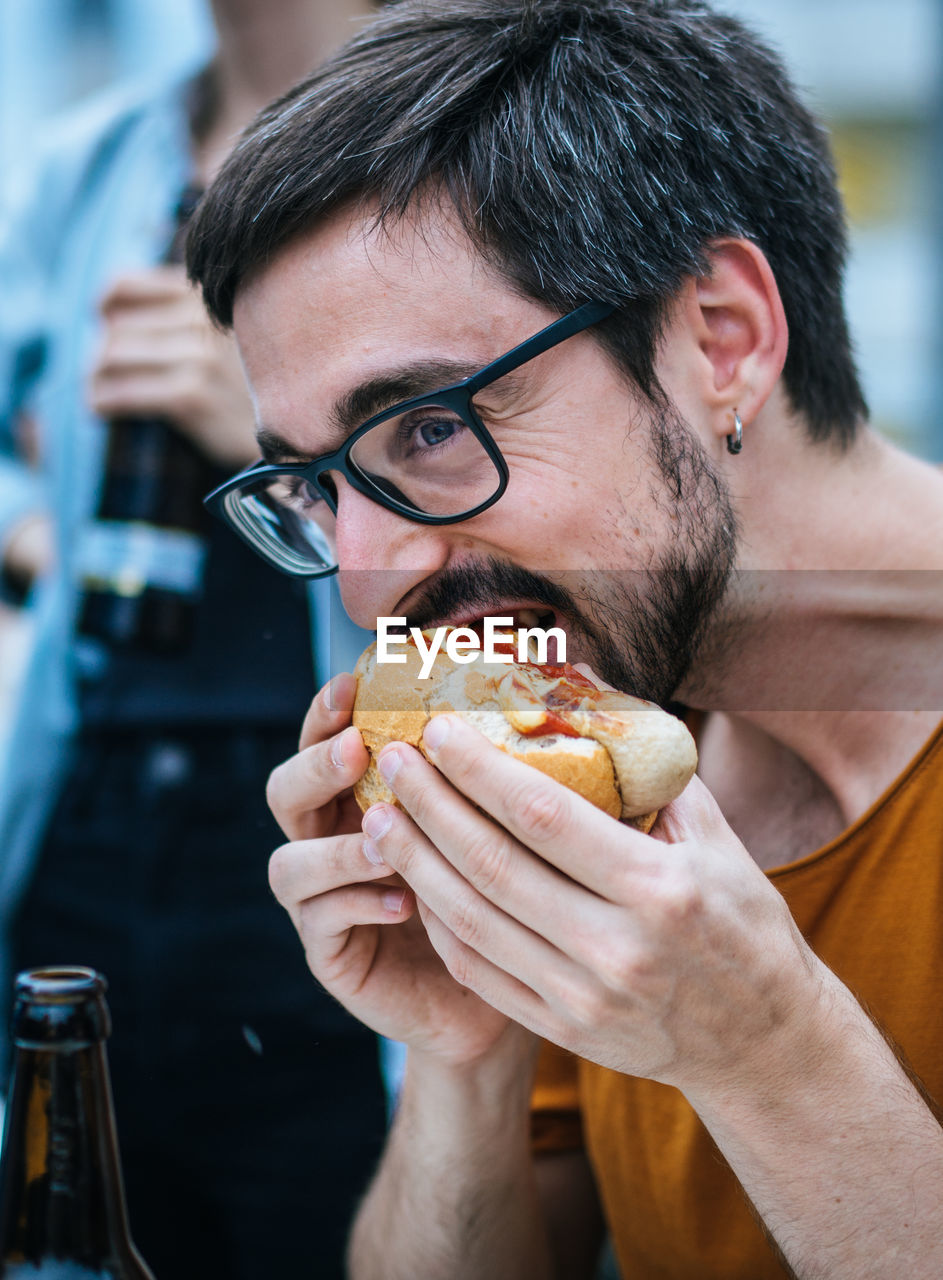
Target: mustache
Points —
{"points": [[485, 585]]}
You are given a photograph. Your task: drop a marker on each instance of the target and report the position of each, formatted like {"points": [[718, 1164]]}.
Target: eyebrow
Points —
{"points": [[380, 392]]}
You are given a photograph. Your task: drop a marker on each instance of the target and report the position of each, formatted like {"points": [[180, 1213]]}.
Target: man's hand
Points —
{"points": [[358, 923], [671, 956], [668, 956], [161, 356]]}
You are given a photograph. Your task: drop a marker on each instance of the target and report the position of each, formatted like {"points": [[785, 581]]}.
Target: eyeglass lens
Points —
{"points": [[427, 459], [288, 518]]}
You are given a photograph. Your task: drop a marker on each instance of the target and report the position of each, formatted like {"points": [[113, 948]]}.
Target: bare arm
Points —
{"points": [[839, 1153], [456, 1197], [672, 957], [459, 1196], [457, 1193]]}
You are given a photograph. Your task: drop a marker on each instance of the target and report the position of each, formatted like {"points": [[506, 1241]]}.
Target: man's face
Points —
{"points": [[614, 525]]}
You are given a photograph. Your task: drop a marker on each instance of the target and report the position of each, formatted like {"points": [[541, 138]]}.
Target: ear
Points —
{"points": [[735, 316]]}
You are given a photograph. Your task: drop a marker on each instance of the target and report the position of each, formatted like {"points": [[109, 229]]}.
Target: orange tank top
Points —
{"points": [[870, 904]]}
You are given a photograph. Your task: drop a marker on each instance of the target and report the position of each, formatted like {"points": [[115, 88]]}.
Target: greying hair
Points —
{"points": [[591, 149]]}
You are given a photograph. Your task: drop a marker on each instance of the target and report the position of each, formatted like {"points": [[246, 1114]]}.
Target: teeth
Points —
{"points": [[529, 617]]}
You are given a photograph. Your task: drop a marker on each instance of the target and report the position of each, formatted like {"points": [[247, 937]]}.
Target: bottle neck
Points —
{"points": [[61, 1192]]}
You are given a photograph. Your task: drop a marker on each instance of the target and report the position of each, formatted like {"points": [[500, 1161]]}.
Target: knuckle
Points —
{"points": [[617, 965], [335, 859], [278, 871], [275, 787], [542, 811], [310, 765], [458, 962], [401, 846], [308, 925], [420, 791], [680, 900], [487, 856], [590, 1007], [465, 920]]}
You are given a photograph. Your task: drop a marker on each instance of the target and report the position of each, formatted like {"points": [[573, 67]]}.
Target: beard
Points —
{"points": [[639, 629]]}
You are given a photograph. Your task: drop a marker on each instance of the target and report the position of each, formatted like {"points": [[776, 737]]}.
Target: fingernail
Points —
{"points": [[436, 732], [393, 901], [377, 822], [337, 750], [330, 690], [372, 853], [338, 691], [389, 764]]}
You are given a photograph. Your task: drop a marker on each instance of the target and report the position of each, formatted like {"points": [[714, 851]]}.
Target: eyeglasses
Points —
{"points": [[430, 459]]}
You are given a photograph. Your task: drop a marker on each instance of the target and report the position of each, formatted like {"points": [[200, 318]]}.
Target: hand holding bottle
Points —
{"points": [[161, 357]]}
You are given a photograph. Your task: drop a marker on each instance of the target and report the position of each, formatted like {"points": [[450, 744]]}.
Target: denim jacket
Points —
{"points": [[101, 201]]}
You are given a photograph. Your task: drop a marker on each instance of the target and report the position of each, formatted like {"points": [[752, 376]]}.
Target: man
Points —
{"points": [[692, 492], [133, 830]]}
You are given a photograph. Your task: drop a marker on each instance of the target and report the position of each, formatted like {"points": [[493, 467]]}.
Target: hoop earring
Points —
{"points": [[735, 441]]}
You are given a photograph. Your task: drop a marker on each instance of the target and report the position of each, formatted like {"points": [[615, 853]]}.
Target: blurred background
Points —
{"points": [[871, 68], [874, 71]]}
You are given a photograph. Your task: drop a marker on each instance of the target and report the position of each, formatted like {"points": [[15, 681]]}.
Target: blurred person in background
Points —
{"points": [[133, 827]]}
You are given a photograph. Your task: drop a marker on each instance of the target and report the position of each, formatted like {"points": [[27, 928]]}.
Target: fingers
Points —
{"points": [[331, 885], [302, 793], [495, 985], [168, 363], [330, 710], [169, 391], [154, 322], [480, 854], [695, 814], [338, 947], [308, 868], [474, 919], [144, 288], [564, 829], [146, 349], [336, 894]]}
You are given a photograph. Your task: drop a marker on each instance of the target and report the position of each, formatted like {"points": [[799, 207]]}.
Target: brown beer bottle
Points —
{"points": [[140, 561], [62, 1207]]}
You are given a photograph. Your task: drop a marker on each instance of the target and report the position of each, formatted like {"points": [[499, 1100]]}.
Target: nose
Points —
{"points": [[381, 555]]}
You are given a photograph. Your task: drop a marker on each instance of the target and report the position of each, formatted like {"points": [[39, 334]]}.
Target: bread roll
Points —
{"points": [[624, 755]]}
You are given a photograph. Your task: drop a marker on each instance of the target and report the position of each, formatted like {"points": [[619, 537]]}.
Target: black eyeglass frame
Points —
{"points": [[457, 397]]}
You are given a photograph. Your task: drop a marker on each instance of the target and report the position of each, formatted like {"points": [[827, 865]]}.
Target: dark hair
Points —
{"points": [[591, 148]]}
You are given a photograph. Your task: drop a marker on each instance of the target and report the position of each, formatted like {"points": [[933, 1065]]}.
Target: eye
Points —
{"points": [[298, 494], [428, 429], [437, 432]]}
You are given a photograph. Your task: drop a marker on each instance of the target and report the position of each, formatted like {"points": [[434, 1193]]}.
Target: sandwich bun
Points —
{"points": [[626, 756]]}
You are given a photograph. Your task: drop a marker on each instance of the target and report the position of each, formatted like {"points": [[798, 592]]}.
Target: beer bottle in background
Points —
{"points": [[62, 1206], [141, 559]]}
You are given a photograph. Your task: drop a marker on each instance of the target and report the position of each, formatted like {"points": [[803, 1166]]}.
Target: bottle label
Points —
{"points": [[124, 558]]}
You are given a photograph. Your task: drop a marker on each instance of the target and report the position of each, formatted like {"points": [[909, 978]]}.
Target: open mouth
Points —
{"points": [[525, 617]]}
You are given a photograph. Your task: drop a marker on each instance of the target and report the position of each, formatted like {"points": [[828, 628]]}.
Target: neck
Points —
{"points": [[264, 47], [829, 641]]}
